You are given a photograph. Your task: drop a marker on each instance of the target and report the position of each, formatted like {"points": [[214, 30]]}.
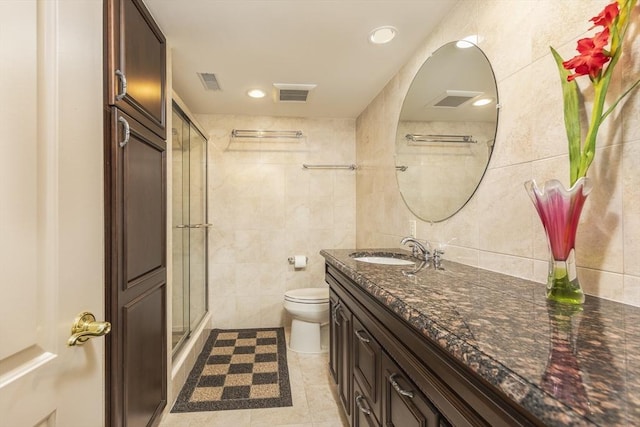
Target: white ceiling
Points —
{"points": [[255, 43]]}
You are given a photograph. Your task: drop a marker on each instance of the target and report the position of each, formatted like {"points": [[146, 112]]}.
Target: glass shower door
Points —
{"points": [[189, 227], [180, 230], [198, 226]]}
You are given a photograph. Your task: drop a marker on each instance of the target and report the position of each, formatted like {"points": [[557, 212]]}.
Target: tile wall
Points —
{"points": [[265, 208], [499, 229]]}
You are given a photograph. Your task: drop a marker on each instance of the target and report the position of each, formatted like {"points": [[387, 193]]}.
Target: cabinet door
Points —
{"points": [[403, 403], [136, 273], [136, 64], [366, 365], [345, 378], [333, 337]]}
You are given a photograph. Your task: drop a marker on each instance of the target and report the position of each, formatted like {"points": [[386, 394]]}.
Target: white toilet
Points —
{"points": [[309, 309]]}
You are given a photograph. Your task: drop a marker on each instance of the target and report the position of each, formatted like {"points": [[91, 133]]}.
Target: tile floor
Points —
{"points": [[314, 402]]}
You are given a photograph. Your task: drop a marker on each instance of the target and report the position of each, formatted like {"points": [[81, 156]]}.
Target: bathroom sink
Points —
{"points": [[382, 258]]}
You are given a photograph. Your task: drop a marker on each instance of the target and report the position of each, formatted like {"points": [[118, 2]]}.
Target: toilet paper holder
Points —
{"points": [[292, 260]]}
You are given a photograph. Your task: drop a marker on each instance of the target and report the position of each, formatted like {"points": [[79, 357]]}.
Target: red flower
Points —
{"points": [[606, 17], [592, 56]]}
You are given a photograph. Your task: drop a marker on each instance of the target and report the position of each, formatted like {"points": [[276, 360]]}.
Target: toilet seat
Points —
{"points": [[308, 296]]}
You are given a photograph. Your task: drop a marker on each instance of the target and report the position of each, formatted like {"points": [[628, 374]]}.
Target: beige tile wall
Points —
{"points": [[499, 229], [265, 208]]}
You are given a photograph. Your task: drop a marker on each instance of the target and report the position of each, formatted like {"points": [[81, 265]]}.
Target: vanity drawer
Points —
{"points": [[363, 413], [367, 355], [404, 403]]}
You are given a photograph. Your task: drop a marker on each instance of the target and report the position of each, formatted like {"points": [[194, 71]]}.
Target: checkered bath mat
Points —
{"points": [[238, 369]]}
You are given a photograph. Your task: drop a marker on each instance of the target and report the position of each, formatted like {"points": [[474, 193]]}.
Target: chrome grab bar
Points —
{"points": [[350, 167], [256, 133], [466, 139]]}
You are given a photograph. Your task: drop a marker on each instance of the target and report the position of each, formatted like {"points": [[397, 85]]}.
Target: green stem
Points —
{"points": [[589, 148], [615, 104]]}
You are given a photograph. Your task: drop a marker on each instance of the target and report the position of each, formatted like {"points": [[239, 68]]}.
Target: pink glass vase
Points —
{"points": [[559, 210]]}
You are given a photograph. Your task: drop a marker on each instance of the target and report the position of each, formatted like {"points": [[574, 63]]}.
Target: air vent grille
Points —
{"points": [[453, 98], [293, 95], [209, 80], [285, 92], [451, 101]]}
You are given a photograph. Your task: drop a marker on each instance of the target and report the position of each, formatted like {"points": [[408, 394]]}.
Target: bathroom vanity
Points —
{"points": [[463, 346]]}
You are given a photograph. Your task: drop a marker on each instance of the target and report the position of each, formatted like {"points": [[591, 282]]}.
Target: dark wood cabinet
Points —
{"points": [[135, 215], [396, 377], [136, 64], [340, 356]]}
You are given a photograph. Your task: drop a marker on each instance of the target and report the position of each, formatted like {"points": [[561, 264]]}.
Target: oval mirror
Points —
{"points": [[446, 131]]}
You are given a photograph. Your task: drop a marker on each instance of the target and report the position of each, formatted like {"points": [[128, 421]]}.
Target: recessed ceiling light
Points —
{"points": [[482, 101], [256, 93], [382, 35]]}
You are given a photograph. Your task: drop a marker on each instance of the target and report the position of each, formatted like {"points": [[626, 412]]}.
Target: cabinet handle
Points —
{"points": [[361, 407], [362, 338], [120, 96], [335, 314], [127, 131], [396, 386]]}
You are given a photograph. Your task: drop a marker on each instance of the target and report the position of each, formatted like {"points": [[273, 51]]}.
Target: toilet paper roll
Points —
{"points": [[299, 261]]}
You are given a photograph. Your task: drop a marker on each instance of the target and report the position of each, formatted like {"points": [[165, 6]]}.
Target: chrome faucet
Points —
{"points": [[418, 249]]}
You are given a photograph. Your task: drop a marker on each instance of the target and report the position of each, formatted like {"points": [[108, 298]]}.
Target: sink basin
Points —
{"points": [[385, 258]]}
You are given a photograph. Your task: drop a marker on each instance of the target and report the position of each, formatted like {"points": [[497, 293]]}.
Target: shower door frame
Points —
{"points": [[189, 227]]}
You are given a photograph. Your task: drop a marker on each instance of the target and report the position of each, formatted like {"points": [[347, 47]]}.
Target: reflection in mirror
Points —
{"points": [[446, 131]]}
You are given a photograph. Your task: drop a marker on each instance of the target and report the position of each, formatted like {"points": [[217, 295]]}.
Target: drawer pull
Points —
{"points": [[335, 314], [120, 96], [396, 386], [361, 337], [361, 407], [127, 131]]}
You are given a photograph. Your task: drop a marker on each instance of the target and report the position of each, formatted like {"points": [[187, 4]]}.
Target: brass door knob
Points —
{"points": [[85, 327]]}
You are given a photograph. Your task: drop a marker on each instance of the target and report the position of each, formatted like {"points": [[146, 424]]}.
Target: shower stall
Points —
{"points": [[189, 226]]}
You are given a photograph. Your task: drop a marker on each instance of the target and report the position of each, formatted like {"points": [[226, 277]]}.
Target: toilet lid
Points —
{"points": [[308, 295]]}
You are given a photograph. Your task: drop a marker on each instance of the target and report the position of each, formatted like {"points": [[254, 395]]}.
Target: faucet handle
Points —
{"points": [[437, 258]]}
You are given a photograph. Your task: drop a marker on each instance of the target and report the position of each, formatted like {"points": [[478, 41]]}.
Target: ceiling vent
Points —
{"points": [[209, 81], [299, 93], [453, 98]]}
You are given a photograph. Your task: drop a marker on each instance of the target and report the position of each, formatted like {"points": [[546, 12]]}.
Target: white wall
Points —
{"points": [[499, 229], [265, 208]]}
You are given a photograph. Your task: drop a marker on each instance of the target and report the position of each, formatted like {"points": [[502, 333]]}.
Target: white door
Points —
{"points": [[51, 211]]}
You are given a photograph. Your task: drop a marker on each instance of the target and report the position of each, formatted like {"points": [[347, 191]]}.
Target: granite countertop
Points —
{"points": [[566, 367]]}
